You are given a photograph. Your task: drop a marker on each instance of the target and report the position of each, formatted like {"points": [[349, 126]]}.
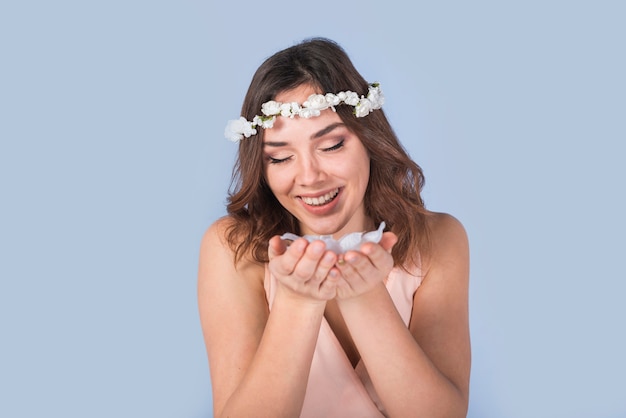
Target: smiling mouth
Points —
{"points": [[320, 200]]}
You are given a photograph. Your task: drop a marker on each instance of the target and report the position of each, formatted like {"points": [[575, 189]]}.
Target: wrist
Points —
{"points": [[371, 296], [295, 300]]}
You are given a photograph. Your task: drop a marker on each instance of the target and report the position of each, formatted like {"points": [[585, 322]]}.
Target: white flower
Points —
{"points": [[316, 102], [332, 99], [264, 121], [306, 112], [285, 110], [351, 99], [363, 108], [375, 95], [238, 128], [294, 109], [270, 108]]}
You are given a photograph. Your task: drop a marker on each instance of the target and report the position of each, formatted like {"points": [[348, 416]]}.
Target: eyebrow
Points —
{"points": [[327, 129], [317, 134]]}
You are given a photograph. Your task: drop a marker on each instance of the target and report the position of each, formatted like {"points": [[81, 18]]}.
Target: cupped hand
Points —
{"points": [[362, 271], [303, 268]]}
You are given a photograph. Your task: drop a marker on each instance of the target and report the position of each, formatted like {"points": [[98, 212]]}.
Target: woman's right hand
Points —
{"points": [[303, 268]]}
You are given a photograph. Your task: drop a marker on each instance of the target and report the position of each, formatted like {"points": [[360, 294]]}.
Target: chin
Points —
{"points": [[323, 228]]}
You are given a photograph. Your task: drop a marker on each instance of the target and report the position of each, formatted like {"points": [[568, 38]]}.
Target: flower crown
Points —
{"points": [[237, 129]]}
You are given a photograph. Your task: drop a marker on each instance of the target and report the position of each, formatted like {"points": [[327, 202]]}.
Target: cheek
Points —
{"points": [[355, 167], [278, 183], [363, 164], [365, 179]]}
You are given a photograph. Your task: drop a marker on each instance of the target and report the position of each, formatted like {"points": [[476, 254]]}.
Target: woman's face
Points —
{"points": [[317, 169]]}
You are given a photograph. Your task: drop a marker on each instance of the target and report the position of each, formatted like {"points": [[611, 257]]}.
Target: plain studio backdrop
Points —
{"points": [[113, 163]]}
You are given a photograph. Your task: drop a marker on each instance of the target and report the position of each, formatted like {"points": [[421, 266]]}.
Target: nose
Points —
{"points": [[310, 171]]}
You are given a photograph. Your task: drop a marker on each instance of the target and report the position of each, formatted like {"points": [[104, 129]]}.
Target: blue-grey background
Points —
{"points": [[112, 164]]}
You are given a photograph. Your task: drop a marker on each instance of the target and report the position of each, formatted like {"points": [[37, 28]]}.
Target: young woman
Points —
{"points": [[299, 327]]}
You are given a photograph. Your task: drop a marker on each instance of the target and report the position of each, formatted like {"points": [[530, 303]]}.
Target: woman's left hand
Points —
{"points": [[362, 271]]}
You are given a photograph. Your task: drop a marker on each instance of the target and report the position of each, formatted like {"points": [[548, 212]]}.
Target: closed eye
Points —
{"points": [[334, 147], [272, 160]]}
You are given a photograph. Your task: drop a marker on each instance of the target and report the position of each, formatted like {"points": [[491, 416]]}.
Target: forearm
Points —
{"points": [[406, 380], [275, 381]]}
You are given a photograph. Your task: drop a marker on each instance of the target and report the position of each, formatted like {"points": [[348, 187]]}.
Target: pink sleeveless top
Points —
{"points": [[335, 388]]}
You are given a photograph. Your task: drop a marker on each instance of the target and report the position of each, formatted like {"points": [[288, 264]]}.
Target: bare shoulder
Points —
{"points": [[448, 239], [218, 274], [232, 306], [216, 251], [440, 317], [231, 296], [215, 235]]}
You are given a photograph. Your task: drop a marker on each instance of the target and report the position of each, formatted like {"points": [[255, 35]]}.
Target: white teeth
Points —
{"points": [[321, 200]]}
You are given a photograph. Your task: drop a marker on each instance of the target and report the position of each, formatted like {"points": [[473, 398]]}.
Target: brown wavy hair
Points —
{"points": [[393, 194]]}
